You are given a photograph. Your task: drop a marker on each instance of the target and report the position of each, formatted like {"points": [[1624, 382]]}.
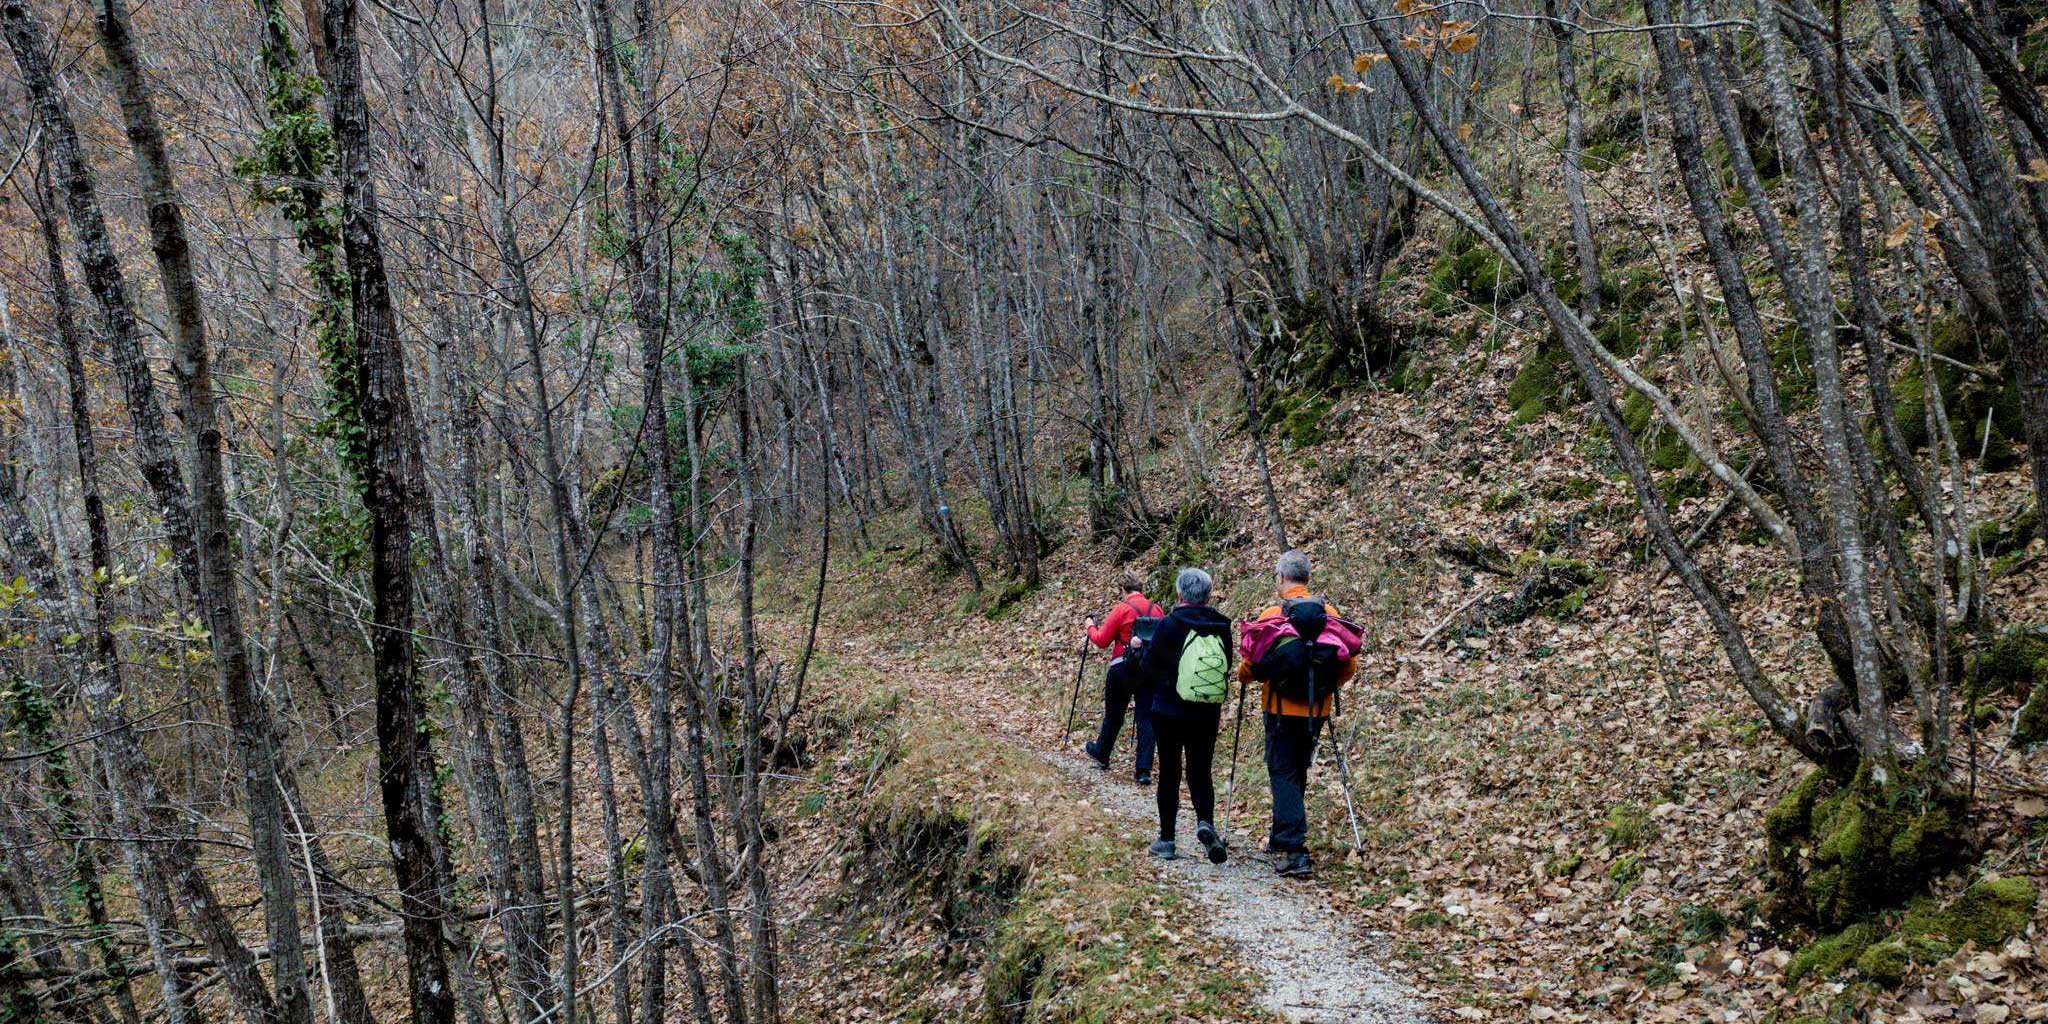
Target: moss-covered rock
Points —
{"points": [[1982, 414], [1662, 448], [1840, 853], [1193, 535], [1885, 962], [1548, 585], [2030, 726], [1825, 957], [1304, 425], [1321, 342], [1787, 819], [1545, 383], [1536, 389], [1996, 537], [1471, 271], [2012, 662], [1889, 962]]}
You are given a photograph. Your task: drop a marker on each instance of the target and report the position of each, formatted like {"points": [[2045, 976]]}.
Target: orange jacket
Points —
{"points": [[1276, 704]]}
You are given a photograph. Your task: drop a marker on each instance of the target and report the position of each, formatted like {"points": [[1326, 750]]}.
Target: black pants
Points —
{"points": [[1118, 689], [1290, 746], [1190, 743]]}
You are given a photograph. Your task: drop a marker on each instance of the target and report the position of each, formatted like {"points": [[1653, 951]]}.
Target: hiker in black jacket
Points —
{"points": [[1187, 707]]}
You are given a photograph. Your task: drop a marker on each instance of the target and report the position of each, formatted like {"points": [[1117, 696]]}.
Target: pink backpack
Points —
{"points": [[1260, 635]]}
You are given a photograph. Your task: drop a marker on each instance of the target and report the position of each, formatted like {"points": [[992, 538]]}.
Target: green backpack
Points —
{"points": [[1204, 670]]}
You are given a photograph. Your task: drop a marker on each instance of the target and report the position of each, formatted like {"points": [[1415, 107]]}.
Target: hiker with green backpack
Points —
{"points": [[1187, 668]]}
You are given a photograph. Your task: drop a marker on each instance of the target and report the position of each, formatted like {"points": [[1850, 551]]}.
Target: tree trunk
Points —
{"points": [[391, 492]]}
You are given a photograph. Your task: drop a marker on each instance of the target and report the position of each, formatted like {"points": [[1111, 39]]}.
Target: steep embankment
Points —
{"points": [[1559, 795]]}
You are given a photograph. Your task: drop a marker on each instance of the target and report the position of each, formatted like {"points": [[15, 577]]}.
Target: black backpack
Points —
{"points": [[1297, 667]]}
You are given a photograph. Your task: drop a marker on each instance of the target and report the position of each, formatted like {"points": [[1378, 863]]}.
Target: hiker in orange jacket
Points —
{"points": [[1122, 685], [1291, 728]]}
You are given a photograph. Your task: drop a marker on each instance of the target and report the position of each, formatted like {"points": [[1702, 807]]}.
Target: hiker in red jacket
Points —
{"points": [[1122, 686]]}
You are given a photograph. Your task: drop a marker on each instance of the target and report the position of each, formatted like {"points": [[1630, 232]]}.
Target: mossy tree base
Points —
{"points": [[1841, 852]]}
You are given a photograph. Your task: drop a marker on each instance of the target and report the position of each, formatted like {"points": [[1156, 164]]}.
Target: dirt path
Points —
{"points": [[1316, 968]]}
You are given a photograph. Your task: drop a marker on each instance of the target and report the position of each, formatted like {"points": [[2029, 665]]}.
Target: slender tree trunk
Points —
{"points": [[1588, 256], [392, 491], [256, 744]]}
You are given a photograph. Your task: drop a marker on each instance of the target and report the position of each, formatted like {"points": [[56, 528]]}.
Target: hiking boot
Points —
{"points": [[1163, 849], [1205, 834], [1295, 866], [1144, 778], [1095, 754]]}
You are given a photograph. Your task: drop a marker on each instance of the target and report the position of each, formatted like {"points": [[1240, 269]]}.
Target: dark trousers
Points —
{"points": [[1185, 743], [1119, 689], [1290, 746]]}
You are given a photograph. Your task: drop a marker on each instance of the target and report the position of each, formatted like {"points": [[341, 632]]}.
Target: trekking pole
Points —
{"points": [[1236, 734], [1074, 706], [1344, 780]]}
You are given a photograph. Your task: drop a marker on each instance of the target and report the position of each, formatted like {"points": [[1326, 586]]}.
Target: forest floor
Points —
{"points": [[1554, 812]]}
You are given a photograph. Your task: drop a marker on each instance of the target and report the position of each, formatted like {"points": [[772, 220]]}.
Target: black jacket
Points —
{"points": [[1160, 670]]}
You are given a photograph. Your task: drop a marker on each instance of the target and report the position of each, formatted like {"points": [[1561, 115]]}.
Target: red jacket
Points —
{"points": [[1114, 631]]}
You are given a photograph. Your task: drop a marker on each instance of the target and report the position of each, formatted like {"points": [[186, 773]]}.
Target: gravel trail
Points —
{"points": [[1315, 967]]}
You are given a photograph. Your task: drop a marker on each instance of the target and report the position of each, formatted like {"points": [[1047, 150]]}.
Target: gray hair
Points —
{"points": [[1293, 566], [1193, 586]]}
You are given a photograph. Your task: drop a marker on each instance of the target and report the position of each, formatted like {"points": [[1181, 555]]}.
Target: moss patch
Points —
{"points": [[2030, 726], [1662, 448], [1470, 271], [1825, 957], [1988, 913], [2013, 662], [1194, 535], [1996, 537], [1629, 826], [1302, 421], [1318, 343], [1538, 388], [1984, 415]]}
